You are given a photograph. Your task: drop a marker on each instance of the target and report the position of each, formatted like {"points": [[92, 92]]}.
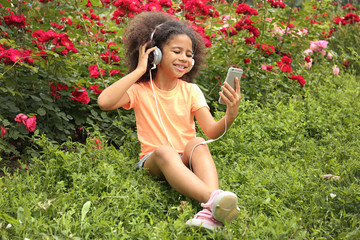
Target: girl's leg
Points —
{"points": [[201, 185], [221, 206], [166, 163], [202, 163]]}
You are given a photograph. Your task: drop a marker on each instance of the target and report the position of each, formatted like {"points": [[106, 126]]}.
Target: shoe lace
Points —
{"points": [[205, 213]]}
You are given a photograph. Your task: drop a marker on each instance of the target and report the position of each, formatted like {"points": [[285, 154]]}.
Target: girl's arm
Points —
{"points": [[115, 95], [213, 129]]}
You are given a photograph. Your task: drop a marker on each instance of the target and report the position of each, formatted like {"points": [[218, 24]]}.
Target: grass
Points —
{"points": [[273, 158]]}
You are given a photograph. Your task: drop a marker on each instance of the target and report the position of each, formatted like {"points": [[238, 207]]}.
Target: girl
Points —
{"points": [[164, 55]]}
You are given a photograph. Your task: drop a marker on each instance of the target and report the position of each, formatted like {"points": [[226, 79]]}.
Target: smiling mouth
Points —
{"points": [[180, 67]]}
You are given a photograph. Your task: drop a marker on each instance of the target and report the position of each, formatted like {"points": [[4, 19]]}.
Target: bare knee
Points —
{"points": [[159, 160], [164, 155], [200, 148], [196, 141]]}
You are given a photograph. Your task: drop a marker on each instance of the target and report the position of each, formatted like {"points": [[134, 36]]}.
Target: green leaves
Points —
{"points": [[5, 3], [85, 209]]}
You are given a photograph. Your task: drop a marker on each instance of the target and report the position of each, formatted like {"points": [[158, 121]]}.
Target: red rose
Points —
{"points": [[3, 131], [276, 4], [250, 40], [96, 89], [80, 95], [115, 71], [268, 49], [98, 143], [284, 67], [115, 57], [352, 18], [55, 89], [93, 70], [104, 56], [21, 118], [19, 21], [31, 123], [286, 60], [298, 78], [41, 35], [245, 9]]}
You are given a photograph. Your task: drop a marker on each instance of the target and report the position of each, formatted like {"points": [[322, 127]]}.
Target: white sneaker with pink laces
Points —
{"points": [[223, 205], [220, 208], [204, 219]]}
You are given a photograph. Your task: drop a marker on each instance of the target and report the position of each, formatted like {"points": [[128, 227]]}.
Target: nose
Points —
{"points": [[183, 57]]}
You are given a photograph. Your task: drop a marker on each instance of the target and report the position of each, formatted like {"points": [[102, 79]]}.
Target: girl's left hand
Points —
{"points": [[232, 98]]}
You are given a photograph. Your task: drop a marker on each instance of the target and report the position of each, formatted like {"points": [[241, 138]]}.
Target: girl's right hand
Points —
{"points": [[144, 56]]}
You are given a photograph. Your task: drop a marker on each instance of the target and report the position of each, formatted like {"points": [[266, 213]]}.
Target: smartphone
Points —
{"points": [[230, 78]]}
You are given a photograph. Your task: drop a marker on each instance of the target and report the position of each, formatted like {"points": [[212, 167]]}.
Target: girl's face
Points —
{"points": [[177, 56]]}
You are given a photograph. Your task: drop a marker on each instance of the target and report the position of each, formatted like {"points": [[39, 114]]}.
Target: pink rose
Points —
{"points": [[226, 17], [318, 46], [302, 32], [20, 118], [3, 131], [308, 52], [278, 30], [336, 70], [266, 67], [323, 52], [329, 56], [308, 65], [31, 123]]}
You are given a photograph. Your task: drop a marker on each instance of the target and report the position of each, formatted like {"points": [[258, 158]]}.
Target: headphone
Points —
{"points": [[157, 54]]}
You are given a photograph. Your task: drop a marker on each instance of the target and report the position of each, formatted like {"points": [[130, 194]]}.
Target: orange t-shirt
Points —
{"points": [[176, 107]]}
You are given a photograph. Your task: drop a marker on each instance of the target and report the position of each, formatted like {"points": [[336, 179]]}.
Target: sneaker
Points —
{"points": [[204, 219], [223, 205]]}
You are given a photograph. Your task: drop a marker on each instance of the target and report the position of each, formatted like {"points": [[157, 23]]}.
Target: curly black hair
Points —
{"points": [[139, 32]]}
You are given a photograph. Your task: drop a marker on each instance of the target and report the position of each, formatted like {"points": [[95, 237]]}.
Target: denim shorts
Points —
{"points": [[140, 164]]}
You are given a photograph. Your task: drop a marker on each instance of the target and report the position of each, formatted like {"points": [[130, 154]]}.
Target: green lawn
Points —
{"points": [[272, 158]]}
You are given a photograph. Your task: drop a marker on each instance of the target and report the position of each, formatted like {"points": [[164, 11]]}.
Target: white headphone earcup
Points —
{"points": [[157, 56], [192, 64]]}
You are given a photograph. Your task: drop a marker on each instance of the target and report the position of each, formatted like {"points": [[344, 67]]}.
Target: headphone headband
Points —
{"points": [[153, 32]]}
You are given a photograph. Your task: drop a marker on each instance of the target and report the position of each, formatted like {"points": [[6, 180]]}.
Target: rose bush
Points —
{"points": [[57, 56]]}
